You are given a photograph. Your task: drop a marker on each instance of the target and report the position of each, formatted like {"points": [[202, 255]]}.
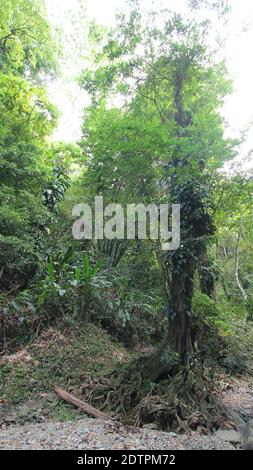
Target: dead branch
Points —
{"points": [[80, 404]]}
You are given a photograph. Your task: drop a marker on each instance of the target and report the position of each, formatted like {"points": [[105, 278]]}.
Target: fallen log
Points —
{"points": [[81, 404]]}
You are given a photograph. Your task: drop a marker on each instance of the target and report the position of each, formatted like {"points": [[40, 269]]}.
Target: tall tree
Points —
{"points": [[27, 55], [165, 71]]}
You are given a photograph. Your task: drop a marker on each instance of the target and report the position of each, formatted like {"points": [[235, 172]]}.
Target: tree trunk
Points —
{"points": [[180, 329]]}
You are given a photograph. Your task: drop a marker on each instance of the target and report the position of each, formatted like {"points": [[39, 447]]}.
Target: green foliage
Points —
{"points": [[127, 312], [30, 168], [236, 354], [27, 46], [204, 308], [206, 322], [68, 284], [56, 187], [27, 118], [221, 335]]}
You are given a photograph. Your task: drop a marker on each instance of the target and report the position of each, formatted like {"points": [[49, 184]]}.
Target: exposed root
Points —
{"points": [[183, 402]]}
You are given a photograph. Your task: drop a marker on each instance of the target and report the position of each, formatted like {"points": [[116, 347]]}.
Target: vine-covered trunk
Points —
{"points": [[180, 328]]}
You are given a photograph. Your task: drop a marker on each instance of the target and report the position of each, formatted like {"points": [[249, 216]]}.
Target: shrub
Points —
{"points": [[206, 315]]}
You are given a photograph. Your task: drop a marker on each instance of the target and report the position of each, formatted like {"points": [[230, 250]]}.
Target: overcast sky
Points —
{"points": [[71, 100]]}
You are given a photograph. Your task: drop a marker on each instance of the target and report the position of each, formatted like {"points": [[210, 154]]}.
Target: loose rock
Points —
{"points": [[229, 436]]}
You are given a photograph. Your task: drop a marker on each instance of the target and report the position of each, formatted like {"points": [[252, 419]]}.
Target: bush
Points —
{"points": [[206, 318], [220, 333], [238, 348]]}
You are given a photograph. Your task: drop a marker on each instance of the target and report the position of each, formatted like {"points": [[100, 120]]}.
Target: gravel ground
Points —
{"points": [[238, 396], [96, 434]]}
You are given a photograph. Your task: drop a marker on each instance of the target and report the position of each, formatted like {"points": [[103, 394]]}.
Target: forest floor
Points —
{"points": [[33, 417]]}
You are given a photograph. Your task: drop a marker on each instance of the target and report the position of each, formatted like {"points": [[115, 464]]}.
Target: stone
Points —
{"points": [[151, 426], [247, 438], [40, 419], [31, 404], [239, 422], [23, 411], [229, 436], [10, 419], [51, 397]]}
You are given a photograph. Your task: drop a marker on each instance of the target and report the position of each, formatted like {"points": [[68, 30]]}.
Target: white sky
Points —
{"points": [[71, 100]]}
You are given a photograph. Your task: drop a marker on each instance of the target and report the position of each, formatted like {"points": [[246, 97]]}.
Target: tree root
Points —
{"points": [[182, 400], [186, 402]]}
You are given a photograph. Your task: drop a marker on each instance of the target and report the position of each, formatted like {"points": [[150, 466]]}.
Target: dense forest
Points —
{"points": [[136, 331]]}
